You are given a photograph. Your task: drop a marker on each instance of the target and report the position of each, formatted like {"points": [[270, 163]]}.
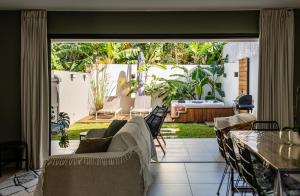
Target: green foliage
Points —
{"points": [[190, 86], [174, 90], [76, 56], [200, 79], [80, 57], [63, 121], [215, 71]]}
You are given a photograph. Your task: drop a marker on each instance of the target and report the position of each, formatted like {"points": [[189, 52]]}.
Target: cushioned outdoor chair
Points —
{"points": [[142, 104], [112, 107]]}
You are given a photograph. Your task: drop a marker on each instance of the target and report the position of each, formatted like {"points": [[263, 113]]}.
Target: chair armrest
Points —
{"points": [[95, 133], [98, 173]]}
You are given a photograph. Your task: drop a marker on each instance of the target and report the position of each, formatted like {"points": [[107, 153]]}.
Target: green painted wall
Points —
{"points": [[152, 22], [10, 75]]}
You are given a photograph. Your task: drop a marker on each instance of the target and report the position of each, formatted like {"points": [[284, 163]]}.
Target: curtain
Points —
{"points": [[34, 85], [276, 69]]}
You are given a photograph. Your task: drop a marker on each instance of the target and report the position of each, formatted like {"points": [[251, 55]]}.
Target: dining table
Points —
{"points": [[276, 149]]}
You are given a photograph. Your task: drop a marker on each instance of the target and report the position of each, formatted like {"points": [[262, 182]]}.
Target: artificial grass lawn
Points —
{"points": [[190, 130], [77, 128], [182, 130]]}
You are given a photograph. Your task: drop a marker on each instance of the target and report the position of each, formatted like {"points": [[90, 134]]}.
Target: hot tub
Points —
{"points": [[198, 110]]}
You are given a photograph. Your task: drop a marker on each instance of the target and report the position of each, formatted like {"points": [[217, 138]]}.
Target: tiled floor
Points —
{"points": [[177, 150], [56, 150], [186, 179], [190, 150], [191, 167]]}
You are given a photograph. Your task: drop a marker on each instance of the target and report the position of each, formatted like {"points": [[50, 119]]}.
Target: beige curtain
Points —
{"points": [[275, 90], [34, 85]]}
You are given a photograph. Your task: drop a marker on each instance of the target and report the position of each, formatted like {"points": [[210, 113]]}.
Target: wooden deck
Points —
{"points": [[108, 118], [201, 115]]}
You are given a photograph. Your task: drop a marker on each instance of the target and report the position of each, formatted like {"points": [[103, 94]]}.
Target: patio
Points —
{"points": [[191, 167], [107, 118]]}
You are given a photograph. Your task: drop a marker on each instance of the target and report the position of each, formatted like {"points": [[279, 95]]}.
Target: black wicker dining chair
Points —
{"points": [[254, 173], [265, 126], [219, 137], [155, 121], [234, 168]]}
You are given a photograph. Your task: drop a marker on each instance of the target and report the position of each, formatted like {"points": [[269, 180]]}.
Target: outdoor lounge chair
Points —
{"points": [[112, 107], [142, 104]]}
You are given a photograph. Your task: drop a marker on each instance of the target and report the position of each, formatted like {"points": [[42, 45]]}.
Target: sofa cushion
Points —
{"points": [[93, 145], [114, 127], [135, 135]]}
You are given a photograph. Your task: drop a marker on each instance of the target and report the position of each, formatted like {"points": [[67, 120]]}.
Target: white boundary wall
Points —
{"points": [[236, 51], [73, 94]]}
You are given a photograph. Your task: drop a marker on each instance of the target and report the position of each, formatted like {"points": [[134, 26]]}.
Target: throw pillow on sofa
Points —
{"points": [[114, 127], [93, 145]]}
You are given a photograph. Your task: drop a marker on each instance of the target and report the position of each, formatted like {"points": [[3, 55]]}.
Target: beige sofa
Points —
{"points": [[122, 171]]}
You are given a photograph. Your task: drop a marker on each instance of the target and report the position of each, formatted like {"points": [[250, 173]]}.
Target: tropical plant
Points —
{"points": [[174, 90], [214, 72], [179, 88], [77, 57], [200, 79], [74, 56], [206, 53], [149, 56], [62, 123], [99, 85]]}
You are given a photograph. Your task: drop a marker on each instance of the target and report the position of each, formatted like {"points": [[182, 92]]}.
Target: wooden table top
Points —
{"points": [[271, 146]]}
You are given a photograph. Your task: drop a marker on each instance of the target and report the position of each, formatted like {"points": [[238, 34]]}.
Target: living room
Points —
{"points": [[25, 115]]}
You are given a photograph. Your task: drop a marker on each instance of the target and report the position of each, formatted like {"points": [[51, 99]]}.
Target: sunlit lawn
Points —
{"points": [[182, 130], [190, 130]]}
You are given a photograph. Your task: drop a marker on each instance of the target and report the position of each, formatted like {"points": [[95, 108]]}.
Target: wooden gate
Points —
{"points": [[244, 76]]}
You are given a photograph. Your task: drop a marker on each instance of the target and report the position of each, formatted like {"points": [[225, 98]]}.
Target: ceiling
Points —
{"points": [[146, 5]]}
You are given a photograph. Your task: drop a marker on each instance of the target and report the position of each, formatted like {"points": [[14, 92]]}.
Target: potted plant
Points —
{"points": [[60, 126]]}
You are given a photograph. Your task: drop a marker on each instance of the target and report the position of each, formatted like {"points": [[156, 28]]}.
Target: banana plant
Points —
{"points": [[214, 72], [174, 89], [200, 79]]}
